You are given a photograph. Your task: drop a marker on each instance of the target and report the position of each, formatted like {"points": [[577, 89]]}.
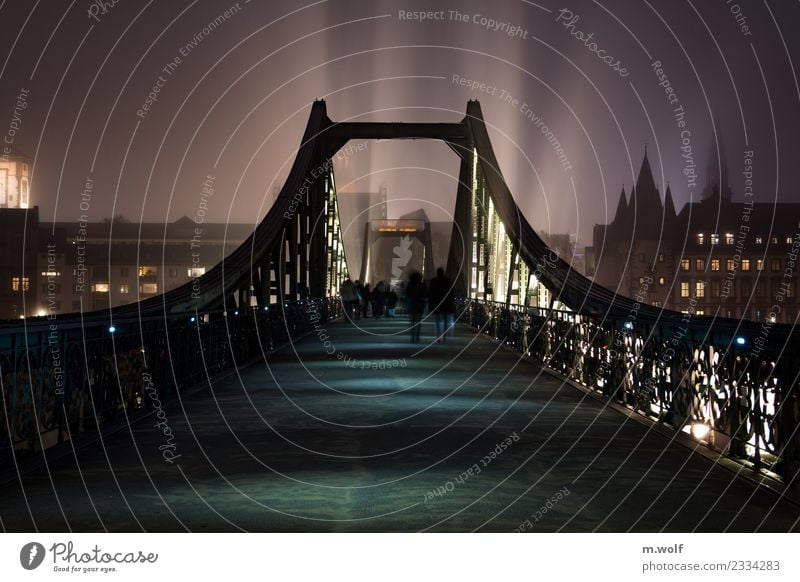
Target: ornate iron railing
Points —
{"points": [[740, 403], [63, 377]]}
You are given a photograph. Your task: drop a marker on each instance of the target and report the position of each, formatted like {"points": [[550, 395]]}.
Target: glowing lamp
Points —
{"points": [[700, 430]]}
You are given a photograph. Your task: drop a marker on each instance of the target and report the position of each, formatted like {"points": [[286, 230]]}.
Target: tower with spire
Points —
{"points": [[643, 218], [700, 259]]}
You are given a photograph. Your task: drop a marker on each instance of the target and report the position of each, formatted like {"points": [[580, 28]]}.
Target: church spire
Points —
{"points": [[669, 206], [645, 199], [622, 208], [645, 208], [645, 182]]}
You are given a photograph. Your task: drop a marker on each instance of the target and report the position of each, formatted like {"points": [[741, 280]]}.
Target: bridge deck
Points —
{"points": [[329, 446]]}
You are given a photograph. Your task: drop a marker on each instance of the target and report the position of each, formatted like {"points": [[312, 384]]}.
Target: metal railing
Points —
{"points": [[741, 403], [68, 375]]}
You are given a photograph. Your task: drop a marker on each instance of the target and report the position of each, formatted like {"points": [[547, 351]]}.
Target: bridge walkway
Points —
{"points": [[354, 428]]}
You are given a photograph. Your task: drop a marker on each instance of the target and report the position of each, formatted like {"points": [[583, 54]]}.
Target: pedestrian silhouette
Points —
{"points": [[379, 296], [415, 299], [442, 304], [360, 292], [366, 300], [349, 298]]}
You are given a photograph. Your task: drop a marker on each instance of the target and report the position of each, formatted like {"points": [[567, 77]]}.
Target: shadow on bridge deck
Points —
{"points": [[393, 436]]}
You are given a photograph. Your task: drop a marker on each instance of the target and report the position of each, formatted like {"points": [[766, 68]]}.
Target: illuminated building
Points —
{"points": [[717, 256]]}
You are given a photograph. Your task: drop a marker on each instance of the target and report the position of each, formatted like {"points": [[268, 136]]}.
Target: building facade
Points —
{"points": [[15, 168], [63, 267], [18, 261], [717, 256]]}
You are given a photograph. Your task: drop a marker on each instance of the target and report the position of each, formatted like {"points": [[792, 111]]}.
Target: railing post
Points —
{"points": [[788, 421]]}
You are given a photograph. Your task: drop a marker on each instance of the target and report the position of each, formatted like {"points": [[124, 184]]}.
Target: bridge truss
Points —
{"points": [[718, 379]]}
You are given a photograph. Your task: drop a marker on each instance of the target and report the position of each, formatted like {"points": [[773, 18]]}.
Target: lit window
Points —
{"points": [[776, 265], [148, 288], [195, 272], [661, 280], [699, 264], [20, 284], [700, 289], [728, 238], [759, 264], [661, 257], [729, 265], [685, 289], [684, 264], [788, 240], [700, 238], [759, 240], [774, 240], [656, 303], [51, 273], [745, 264], [100, 288], [699, 312], [145, 271], [124, 289], [714, 239], [715, 264]]}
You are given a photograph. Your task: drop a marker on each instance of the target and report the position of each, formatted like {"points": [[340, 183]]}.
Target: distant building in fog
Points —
{"points": [[356, 209], [733, 259], [564, 246], [69, 266], [18, 261]]}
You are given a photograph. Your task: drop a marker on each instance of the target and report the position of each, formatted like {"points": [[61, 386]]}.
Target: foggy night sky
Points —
{"points": [[243, 94]]}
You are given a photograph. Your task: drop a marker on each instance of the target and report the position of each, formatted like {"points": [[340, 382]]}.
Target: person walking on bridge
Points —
{"points": [[379, 300], [442, 304], [366, 300], [360, 292], [415, 300], [349, 298]]}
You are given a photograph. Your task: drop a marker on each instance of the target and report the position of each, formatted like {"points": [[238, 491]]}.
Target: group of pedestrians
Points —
{"points": [[440, 302], [437, 297], [362, 301]]}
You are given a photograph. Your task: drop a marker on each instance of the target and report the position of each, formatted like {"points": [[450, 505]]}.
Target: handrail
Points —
{"points": [[740, 403], [59, 384]]}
